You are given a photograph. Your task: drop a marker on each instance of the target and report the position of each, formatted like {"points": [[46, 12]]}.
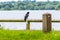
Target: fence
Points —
{"points": [[46, 22]]}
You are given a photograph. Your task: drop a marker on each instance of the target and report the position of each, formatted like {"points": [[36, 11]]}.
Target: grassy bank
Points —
{"points": [[28, 35]]}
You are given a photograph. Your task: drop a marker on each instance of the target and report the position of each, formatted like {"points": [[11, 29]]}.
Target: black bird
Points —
{"points": [[26, 16]]}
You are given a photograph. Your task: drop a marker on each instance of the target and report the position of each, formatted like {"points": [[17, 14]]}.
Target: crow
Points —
{"points": [[26, 16]]}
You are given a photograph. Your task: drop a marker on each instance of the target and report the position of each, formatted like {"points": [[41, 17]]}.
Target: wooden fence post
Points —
{"points": [[46, 22], [28, 25]]}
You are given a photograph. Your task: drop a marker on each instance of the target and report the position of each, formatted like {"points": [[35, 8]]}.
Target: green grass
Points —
{"points": [[28, 35]]}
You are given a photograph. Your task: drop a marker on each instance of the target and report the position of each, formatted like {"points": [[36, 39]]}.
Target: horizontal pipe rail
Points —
{"points": [[42, 20], [27, 20], [12, 21], [34, 20], [55, 21]]}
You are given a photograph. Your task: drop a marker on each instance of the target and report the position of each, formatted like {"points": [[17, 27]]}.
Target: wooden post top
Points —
{"points": [[46, 14]]}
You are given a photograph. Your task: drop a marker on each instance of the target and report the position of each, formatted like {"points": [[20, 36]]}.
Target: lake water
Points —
{"points": [[34, 15]]}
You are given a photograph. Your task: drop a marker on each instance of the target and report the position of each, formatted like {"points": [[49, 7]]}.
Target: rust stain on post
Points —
{"points": [[47, 22]]}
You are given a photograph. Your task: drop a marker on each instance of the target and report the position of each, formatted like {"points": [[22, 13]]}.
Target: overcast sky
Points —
{"points": [[17, 0]]}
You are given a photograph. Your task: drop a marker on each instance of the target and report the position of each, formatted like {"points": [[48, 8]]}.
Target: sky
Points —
{"points": [[17, 0]]}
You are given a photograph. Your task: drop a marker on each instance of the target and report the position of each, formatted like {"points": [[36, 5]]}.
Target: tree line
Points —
{"points": [[19, 5]]}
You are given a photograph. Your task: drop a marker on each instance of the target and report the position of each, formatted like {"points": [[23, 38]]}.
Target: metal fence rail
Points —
{"points": [[27, 20], [12, 21]]}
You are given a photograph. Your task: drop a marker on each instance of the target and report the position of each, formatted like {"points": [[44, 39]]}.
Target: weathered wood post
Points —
{"points": [[46, 22], [28, 25]]}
